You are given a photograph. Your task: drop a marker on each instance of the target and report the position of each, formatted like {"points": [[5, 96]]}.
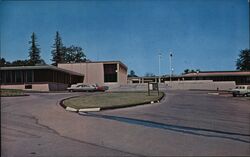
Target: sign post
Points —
{"points": [[154, 87]]}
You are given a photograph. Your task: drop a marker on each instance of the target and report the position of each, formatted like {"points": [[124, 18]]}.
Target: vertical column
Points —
{"points": [[117, 73]]}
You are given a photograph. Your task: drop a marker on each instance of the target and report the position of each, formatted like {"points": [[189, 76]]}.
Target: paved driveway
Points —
{"points": [[185, 123]]}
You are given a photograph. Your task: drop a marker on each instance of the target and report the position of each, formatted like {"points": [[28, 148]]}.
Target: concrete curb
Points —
{"points": [[213, 93], [220, 93], [71, 109], [104, 108], [89, 110]]}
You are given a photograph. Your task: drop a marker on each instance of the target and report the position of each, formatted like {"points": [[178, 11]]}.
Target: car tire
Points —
{"points": [[234, 95]]}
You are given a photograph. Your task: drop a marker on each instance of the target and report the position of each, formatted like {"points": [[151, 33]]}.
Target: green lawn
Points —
{"points": [[112, 99], [11, 92]]}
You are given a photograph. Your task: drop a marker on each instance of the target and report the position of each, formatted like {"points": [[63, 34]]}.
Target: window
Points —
{"points": [[110, 72], [8, 76], [28, 86], [18, 76], [29, 76]]}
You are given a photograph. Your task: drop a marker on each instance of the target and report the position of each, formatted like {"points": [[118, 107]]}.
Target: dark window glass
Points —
{"points": [[2, 73], [13, 76], [29, 76], [18, 76], [110, 72], [8, 76], [29, 86]]}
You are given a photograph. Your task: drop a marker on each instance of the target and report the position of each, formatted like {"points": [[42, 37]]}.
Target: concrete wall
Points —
{"points": [[137, 87], [57, 86], [201, 85], [35, 87], [182, 85], [38, 87], [122, 75], [93, 73], [13, 86]]}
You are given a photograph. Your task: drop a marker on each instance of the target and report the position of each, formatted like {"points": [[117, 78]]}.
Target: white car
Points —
{"points": [[80, 87], [243, 90]]}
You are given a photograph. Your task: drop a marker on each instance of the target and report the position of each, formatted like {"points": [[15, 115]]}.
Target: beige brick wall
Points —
{"points": [[122, 75], [35, 87], [93, 73], [38, 87]]}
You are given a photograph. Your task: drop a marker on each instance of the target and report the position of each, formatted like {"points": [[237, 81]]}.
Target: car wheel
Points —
{"points": [[234, 95]]}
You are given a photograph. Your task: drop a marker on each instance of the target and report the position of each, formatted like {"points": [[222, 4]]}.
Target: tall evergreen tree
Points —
{"points": [[57, 52], [34, 51], [243, 62]]}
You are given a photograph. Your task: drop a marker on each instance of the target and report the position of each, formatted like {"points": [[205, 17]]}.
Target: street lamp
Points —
{"points": [[170, 66], [159, 55]]}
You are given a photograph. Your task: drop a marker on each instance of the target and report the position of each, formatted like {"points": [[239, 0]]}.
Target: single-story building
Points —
{"points": [[109, 73], [239, 77], [40, 78]]}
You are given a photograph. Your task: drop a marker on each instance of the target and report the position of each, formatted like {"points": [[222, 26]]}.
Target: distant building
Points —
{"points": [[110, 73], [239, 77], [40, 78]]}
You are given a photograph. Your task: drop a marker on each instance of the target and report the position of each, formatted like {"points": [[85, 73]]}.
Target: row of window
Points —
{"points": [[42, 75]]}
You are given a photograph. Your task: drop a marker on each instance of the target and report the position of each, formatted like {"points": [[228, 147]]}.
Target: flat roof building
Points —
{"points": [[109, 73], [41, 78], [240, 77]]}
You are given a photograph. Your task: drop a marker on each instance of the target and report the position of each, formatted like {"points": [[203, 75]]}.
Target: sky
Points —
{"points": [[202, 34]]}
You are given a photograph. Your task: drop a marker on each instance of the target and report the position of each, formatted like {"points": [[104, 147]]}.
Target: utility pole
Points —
{"points": [[159, 55], [170, 66]]}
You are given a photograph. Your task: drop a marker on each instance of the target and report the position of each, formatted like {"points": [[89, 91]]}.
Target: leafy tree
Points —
{"points": [[243, 61], [149, 74], [132, 74], [74, 54], [57, 52], [34, 51], [22, 63], [2, 62], [186, 71]]}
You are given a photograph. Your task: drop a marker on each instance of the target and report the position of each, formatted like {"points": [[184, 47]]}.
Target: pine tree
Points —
{"points": [[34, 51], [243, 62], [57, 51]]}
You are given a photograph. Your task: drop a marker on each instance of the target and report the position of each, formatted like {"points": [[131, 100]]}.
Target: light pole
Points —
{"points": [[159, 55], [170, 67]]}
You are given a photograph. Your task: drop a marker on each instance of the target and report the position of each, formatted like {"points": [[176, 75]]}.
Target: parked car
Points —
{"points": [[243, 90], [80, 87], [100, 88]]}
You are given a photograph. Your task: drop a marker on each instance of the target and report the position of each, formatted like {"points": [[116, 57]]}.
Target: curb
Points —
{"points": [[213, 93], [104, 108], [220, 93]]}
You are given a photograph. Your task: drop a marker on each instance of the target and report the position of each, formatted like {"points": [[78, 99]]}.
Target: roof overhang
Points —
{"points": [[41, 67]]}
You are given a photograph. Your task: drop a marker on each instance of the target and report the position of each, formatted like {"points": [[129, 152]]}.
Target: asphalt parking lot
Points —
{"points": [[184, 123]]}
